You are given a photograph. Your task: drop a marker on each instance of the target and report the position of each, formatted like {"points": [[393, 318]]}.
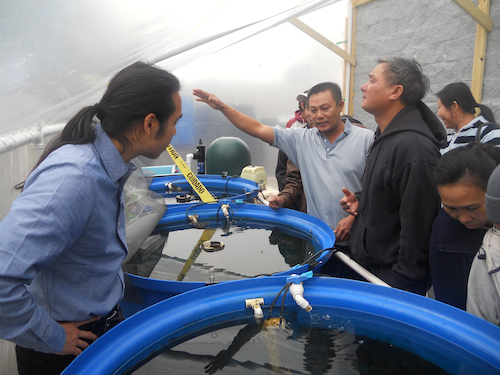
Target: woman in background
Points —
{"points": [[457, 108]]}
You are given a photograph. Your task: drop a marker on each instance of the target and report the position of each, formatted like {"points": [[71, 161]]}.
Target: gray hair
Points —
{"points": [[407, 73]]}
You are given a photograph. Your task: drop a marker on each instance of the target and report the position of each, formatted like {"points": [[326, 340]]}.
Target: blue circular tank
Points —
{"points": [[142, 292], [450, 338], [230, 187]]}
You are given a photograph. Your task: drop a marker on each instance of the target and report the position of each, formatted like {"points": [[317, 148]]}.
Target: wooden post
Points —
{"points": [[353, 54], [320, 38], [480, 54], [344, 81]]}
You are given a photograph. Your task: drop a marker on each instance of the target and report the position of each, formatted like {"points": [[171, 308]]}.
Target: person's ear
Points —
{"points": [[341, 106], [397, 91], [454, 106], [149, 124]]}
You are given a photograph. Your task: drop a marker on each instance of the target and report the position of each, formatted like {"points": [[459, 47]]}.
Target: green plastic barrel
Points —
{"points": [[229, 154]]}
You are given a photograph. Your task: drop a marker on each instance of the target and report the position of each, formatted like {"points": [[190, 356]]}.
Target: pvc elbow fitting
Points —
{"points": [[257, 312], [297, 292], [225, 210]]}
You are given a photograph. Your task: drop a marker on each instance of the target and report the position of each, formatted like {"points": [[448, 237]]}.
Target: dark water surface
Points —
{"points": [[292, 348], [246, 252]]}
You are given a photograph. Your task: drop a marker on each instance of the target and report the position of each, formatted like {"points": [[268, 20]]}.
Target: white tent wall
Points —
{"points": [[57, 56], [438, 34]]}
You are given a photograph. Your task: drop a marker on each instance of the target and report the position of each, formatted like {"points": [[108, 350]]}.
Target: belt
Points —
{"points": [[101, 326]]}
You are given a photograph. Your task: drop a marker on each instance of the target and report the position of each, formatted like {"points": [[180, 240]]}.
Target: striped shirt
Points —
{"points": [[490, 133]]}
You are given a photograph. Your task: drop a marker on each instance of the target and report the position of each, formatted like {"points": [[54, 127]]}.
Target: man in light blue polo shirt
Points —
{"points": [[329, 157]]}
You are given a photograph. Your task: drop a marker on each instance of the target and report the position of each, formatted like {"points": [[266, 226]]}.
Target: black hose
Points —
{"points": [[275, 299], [283, 301]]}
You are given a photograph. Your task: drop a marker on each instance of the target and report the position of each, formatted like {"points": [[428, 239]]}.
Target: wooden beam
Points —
{"points": [[353, 53], [479, 55], [344, 78], [357, 3], [478, 14], [320, 38]]}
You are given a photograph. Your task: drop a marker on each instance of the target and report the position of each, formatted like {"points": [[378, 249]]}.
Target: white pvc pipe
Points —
{"points": [[19, 139], [52, 129], [262, 199], [189, 161], [360, 270], [35, 134]]}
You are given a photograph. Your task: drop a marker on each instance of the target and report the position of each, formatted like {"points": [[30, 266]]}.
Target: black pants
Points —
{"points": [[31, 362]]}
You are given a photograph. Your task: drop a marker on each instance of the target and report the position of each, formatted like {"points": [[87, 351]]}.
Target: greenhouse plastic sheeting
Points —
{"points": [[58, 55]]}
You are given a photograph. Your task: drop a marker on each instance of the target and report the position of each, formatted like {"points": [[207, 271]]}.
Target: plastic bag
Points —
{"points": [[143, 211]]}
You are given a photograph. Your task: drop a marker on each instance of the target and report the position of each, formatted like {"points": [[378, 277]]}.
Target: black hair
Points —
{"points": [[469, 164], [459, 92], [132, 94], [306, 102], [327, 86], [407, 73]]}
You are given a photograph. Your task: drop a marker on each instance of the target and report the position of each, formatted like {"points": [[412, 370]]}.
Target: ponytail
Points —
{"points": [[459, 92], [486, 112]]}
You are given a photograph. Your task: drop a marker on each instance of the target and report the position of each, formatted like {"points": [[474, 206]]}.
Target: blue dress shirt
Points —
{"points": [[63, 243]]}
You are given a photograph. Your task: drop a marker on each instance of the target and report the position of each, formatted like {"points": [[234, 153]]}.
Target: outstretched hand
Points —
{"points": [[210, 99], [75, 338], [349, 203]]}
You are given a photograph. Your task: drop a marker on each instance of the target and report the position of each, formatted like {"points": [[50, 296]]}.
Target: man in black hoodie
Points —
{"points": [[398, 202]]}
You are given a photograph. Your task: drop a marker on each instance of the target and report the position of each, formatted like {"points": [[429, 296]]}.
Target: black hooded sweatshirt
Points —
{"points": [[399, 201]]}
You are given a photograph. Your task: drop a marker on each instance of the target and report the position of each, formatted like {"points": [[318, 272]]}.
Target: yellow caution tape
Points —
{"points": [[205, 236], [195, 183]]}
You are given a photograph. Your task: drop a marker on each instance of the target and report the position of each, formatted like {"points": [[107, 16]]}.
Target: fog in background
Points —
{"points": [[57, 57], [261, 77]]}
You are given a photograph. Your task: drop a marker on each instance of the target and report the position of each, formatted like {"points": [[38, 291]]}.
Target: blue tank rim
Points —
{"points": [[146, 332], [236, 187], [290, 221]]}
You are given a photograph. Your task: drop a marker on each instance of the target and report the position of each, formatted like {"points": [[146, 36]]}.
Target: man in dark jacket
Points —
{"points": [[398, 202]]}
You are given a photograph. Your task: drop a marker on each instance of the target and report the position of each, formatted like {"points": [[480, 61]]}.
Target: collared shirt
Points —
{"points": [[489, 134], [326, 167], [63, 243]]}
